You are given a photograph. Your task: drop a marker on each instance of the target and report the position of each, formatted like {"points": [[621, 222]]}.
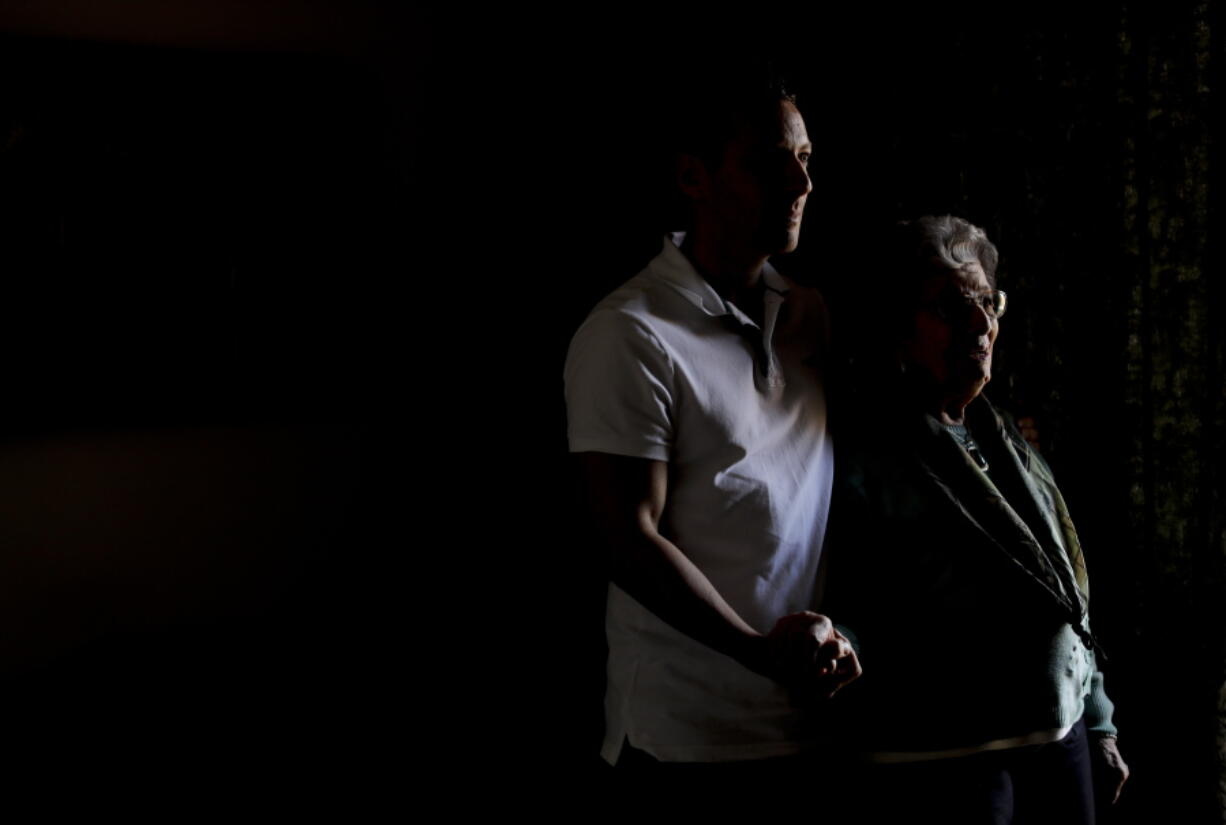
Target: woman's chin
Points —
{"points": [[972, 383], [979, 385]]}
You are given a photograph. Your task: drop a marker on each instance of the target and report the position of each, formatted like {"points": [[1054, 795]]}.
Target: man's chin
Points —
{"points": [[785, 244]]}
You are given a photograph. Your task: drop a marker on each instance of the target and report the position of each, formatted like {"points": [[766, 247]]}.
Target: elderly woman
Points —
{"points": [[956, 565]]}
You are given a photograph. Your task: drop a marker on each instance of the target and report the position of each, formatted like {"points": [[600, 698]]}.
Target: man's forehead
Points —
{"points": [[771, 125], [791, 123]]}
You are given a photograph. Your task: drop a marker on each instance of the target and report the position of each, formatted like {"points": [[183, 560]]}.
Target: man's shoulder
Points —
{"points": [[639, 308], [626, 327], [636, 298], [630, 311]]}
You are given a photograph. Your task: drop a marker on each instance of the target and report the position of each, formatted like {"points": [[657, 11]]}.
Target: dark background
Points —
{"points": [[287, 291]]}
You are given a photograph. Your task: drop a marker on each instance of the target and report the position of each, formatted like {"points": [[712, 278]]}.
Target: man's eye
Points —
{"points": [[804, 158]]}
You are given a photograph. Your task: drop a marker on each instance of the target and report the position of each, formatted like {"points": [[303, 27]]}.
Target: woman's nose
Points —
{"points": [[978, 318]]}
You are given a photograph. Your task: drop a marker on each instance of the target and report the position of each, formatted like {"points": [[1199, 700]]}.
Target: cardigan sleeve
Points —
{"points": [[1099, 708]]}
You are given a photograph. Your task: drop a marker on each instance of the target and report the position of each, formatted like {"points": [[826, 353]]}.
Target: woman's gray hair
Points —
{"points": [[945, 241]]}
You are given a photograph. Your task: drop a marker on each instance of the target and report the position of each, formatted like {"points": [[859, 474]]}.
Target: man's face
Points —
{"points": [[755, 197]]}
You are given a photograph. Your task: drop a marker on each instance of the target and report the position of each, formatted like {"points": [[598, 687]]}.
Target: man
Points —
{"points": [[695, 407]]}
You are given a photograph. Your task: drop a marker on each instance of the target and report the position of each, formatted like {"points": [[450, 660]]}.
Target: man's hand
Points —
{"points": [[807, 654], [1115, 768]]}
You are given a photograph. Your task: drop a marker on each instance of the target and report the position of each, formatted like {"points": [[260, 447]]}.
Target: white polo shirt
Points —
{"points": [[664, 368]]}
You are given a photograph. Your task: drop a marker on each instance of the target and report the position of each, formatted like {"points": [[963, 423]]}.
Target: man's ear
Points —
{"points": [[692, 177]]}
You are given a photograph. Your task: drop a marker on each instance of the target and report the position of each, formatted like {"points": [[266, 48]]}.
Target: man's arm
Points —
{"points": [[627, 497]]}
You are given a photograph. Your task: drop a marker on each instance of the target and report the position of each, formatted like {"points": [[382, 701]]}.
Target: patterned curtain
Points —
{"points": [[1121, 353]]}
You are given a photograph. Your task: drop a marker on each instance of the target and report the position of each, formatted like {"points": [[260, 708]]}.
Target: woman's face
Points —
{"points": [[953, 335]]}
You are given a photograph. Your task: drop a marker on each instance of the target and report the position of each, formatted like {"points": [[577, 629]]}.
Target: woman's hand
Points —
{"points": [[1115, 768]]}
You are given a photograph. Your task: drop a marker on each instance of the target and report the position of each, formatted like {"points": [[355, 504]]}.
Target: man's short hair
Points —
{"points": [[713, 110]]}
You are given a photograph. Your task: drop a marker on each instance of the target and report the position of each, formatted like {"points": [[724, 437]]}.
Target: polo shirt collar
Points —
{"points": [[672, 267]]}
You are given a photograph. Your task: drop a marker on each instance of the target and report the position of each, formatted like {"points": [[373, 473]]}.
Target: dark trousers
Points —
{"points": [[1034, 785]]}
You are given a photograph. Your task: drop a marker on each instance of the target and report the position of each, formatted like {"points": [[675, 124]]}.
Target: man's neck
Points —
{"points": [[733, 273]]}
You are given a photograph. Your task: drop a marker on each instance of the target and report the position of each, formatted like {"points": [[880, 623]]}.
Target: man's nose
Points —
{"points": [[798, 184]]}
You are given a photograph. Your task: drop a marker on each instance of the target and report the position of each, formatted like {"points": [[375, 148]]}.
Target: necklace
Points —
{"points": [[963, 436]]}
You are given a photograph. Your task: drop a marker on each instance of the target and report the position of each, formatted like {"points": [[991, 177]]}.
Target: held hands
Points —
{"points": [[806, 653]]}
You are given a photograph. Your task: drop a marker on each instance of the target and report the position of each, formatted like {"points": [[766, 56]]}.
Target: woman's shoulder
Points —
{"points": [[1008, 428], [878, 463]]}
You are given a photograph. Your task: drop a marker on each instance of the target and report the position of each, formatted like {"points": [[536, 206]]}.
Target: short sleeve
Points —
{"points": [[618, 396]]}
